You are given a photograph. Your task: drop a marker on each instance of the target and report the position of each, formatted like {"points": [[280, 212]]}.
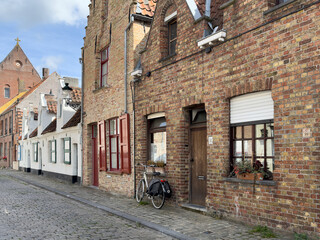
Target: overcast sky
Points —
{"points": [[51, 32]]}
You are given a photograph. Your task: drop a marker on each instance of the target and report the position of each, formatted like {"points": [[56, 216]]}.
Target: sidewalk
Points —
{"points": [[170, 220]]}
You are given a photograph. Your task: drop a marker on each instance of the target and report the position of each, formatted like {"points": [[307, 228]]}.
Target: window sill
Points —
{"points": [[118, 172], [277, 7], [100, 88], [264, 182], [68, 163], [167, 57]]}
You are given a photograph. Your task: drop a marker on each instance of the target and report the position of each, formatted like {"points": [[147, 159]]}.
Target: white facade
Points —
{"points": [[57, 152]]}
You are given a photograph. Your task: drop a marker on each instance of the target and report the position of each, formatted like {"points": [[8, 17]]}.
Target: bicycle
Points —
{"points": [[143, 187]]}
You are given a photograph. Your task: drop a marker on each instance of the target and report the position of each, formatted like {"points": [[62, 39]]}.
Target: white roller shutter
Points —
{"points": [[251, 107]]}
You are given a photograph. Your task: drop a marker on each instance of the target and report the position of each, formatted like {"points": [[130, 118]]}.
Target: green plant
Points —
{"points": [[151, 163], [264, 231], [300, 236], [142, 203], [160, 164]]}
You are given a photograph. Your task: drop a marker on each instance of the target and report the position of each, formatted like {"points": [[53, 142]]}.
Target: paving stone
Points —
{"points": [[56, 217]]}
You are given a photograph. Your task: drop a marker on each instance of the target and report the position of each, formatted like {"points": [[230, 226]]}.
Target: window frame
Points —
{"points": [[253, 139], [104, 62], [151, 131], [51, 151], [170, 41], [114, 136], [7, 91], [35, 152], [67, 151]]}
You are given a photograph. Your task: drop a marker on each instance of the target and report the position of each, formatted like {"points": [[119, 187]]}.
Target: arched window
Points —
{"points": [[7, 91]]}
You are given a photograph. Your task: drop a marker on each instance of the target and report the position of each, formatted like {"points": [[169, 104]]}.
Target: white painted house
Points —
{"points": [[52, 146]]}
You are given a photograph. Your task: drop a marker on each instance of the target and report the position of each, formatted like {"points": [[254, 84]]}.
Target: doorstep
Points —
{"points": [[194, 208]]}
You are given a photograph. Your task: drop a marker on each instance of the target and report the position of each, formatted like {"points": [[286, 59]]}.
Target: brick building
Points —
{"points": [[229, 82], [116, 31], [16, 74]]}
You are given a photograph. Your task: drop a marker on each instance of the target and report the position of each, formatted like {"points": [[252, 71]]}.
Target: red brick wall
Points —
{"points": [[259, 54]]}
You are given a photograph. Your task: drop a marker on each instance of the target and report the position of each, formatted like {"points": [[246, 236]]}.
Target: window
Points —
{"points": [[35, 152], [114, 144], [1, 149], [6, 126], [67, 150], [157, 139], [10, 125], [7, 91], [172, 36], [104, 67], [5, 150], [252, 130], [281, 1], [1, 127], [52, 151], [106, 3]]}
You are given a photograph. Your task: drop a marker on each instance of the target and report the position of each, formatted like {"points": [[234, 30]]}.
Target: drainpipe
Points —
{"points": [[81, 121], [207, 11]]}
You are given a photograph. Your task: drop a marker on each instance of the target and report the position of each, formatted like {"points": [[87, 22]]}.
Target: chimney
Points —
{"points": [[45, 73]]}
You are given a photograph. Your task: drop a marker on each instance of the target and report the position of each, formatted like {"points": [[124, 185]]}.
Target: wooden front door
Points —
{"points": [[95, 156], [198, 166]]}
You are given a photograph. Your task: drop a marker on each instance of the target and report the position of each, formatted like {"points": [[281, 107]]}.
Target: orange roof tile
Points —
{"points": [[76, 95], [146, 7]]}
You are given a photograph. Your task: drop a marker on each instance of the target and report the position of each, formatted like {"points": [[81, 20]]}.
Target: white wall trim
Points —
{"points": [[156, 115], [170, 17]]}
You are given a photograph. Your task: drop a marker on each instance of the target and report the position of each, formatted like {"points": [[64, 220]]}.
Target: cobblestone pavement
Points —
{"points": [[30, 212]]}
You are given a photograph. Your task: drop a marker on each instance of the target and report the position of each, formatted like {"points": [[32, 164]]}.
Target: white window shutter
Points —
{"points": [[251, 107]]}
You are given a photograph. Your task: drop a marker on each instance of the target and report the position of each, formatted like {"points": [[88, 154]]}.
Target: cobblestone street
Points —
{"points": [[35, 207]]}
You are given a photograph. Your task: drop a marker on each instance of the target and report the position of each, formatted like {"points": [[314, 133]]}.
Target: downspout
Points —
{"points": [[207, 11], [81, 121], [125, 67]]}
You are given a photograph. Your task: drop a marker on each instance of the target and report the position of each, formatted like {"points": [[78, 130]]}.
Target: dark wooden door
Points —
{"points": [[199, 166], [94, 156]]}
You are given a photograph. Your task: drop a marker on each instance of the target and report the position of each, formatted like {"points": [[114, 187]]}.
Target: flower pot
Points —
{"points": [[250, 176]]}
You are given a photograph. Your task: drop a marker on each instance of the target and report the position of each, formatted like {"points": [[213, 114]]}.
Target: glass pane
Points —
{"points": [[260, 131], [237, 161], [269, 129], [237, 151], [53, 146], [247, 131], [259, 147], [270, 147], [239, 132], [247, 146], [114, 145], [172, 47], [200, 117], [104, 80], [104, 54], [66, 144], [53, 158], [104, 68], [114, 160], [270, 166], [158, 122], [158, 147], [66, 157], [173, 30], [113, 127]]}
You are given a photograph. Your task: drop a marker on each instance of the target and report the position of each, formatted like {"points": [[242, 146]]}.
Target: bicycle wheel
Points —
{"points": [[140, 190], [158, 201]]}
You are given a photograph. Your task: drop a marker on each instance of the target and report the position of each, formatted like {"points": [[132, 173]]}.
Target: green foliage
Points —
{"points": [[264, 231], [300, 236], [142, 203]]}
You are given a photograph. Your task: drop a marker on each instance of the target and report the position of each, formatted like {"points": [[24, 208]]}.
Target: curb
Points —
{"points": [[124, 215]]}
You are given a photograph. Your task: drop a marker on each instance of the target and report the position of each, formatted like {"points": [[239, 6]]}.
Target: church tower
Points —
{"points": [[17, 74]]}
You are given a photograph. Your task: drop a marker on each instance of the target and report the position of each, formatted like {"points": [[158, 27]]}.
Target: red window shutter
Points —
{"points": [[125, 143], [102, 146]]}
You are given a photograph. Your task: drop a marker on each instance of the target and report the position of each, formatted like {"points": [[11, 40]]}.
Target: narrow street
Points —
{"points": [[36, 207], [28, 212]]}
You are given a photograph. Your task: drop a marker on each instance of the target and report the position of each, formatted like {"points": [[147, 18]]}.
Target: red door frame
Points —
{"points": [[94, 156]]}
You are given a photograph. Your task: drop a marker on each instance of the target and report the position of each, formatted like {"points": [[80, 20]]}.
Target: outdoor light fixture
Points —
{"points": [[66, 90]]}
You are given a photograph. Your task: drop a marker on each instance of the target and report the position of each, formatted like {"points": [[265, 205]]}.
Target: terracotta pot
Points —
{"points": [[250, 176]]}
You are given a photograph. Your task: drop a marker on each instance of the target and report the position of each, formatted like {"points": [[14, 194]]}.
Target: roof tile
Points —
{"points": [[146, 7], [34, 133], [51, 127], [74, 121]]}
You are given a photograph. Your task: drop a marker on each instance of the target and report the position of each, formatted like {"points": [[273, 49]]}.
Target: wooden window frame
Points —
{"points": [[170, 41], [151, 131], [104, 62], [253, 138], [68, 151], [114, 136]]}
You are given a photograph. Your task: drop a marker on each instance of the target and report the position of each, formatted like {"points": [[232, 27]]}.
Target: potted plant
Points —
{"points": [[248, 171], [159, 166], [5, 158]]}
